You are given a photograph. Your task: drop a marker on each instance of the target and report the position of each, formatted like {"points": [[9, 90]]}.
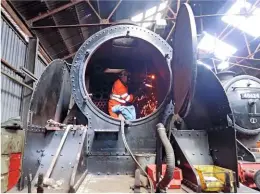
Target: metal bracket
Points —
{"points": [[104, 21], [36, 128]]}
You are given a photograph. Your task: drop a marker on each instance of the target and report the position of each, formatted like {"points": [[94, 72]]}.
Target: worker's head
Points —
{"points": [[123, 76]]}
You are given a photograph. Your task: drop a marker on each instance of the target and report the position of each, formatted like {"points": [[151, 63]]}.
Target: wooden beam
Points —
{"points": [[61, 31], [54, 11], [69, 56]]}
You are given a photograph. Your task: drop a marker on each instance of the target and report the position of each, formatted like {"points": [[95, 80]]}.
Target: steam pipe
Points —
{"points": [[170, 164]]}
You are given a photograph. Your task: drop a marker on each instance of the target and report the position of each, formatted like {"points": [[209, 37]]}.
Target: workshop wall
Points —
{"points": [[13, 53]]}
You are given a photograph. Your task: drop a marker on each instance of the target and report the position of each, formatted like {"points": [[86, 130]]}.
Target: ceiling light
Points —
{"points": [[138, 17], [159, 20], [162, 6], [151, 14], [223, 65], [220, 49], [150, 11], [248, 24]]}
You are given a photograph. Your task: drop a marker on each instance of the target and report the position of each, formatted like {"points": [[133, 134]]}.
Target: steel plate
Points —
{"points": [[184, 60], [51, 96]]}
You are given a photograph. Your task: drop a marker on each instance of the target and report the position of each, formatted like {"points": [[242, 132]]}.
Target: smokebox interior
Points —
{"points": [[147, 67]]}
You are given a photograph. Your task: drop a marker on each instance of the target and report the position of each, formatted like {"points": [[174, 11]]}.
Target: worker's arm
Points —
{"points": [[129, 98]]}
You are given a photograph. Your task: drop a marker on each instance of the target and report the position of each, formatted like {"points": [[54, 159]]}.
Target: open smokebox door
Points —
{"points": [[51, 97], [200, 101]]}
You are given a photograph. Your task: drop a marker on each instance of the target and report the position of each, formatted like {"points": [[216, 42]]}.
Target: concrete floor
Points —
{"points": [[112, 183], [115, 184]]}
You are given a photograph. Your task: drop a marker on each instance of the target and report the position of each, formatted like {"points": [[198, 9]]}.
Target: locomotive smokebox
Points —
{"points": [[129, 47]]}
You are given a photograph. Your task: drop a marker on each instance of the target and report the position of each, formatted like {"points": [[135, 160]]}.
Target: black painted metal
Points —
{"points": [[183, 161], [52, 93], [83, 56], [204, 109], [203, 105], [210, 103], [246, 111], [159, 161], [184, 60], [51, 96], [208, 112], [66, 161], [244, 154]]}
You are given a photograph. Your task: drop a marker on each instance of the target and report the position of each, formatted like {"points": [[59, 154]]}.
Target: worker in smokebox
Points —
{"points": [[120, 100]]}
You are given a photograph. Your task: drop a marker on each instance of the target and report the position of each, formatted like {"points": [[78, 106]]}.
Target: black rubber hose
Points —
{"points": [[132, 155], [170, 158]]}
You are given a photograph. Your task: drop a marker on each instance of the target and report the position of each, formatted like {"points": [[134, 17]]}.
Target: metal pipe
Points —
{"points": [[244, 57], [16, 71], [247, 44], [16, 80], [54, 160], [94, 10], [88, 25], [170, 32], [28, 73], [235, 64], [73, 175], [80, 180], [178, 5], [113, 11], [242, 60]]}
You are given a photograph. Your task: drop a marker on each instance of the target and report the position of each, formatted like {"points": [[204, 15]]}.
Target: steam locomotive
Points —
{"points": [[68, 142], [243, 92]]}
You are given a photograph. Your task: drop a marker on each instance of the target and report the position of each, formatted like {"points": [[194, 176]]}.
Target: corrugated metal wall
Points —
{"points": [[39, 68], [13, 51]]}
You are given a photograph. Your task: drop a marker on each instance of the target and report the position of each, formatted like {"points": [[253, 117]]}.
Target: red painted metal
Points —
{"points": [[177, 176], [248, 172], [14, 169], [15, 161]]}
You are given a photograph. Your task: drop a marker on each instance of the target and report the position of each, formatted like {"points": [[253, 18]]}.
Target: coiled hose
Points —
{"points": [[169, 157], [129, 150]]}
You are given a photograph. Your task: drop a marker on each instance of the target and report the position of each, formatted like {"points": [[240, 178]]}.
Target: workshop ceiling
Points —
{"points": [[62, 26]]}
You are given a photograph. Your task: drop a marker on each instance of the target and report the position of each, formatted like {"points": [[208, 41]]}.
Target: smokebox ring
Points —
{"points": [[89, 47]]}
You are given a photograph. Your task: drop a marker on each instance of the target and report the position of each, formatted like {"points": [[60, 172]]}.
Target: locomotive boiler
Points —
{"points": [[71, 138]]}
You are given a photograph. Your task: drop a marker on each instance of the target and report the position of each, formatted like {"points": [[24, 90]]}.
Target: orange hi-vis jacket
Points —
{"points": [[119, 96]]}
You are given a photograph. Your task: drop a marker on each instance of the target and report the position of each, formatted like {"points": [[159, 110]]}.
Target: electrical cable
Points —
{"points": [[129, 150]]}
